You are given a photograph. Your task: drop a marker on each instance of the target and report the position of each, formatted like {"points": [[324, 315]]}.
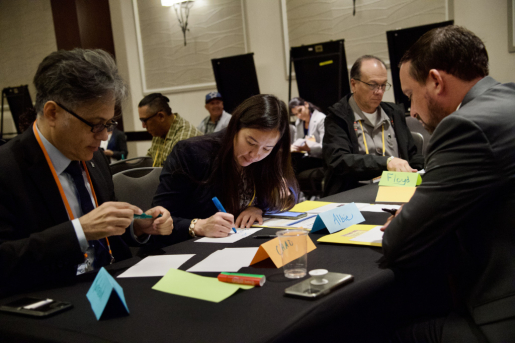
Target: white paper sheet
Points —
{"points": [[226, 260], [299, 142], [156, 265], [306, 223], [374, 235], [378, 207], [233, 237], [332, 206]]}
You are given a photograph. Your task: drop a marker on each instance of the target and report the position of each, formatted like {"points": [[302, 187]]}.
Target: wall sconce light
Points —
{"points": [[182, 11]]}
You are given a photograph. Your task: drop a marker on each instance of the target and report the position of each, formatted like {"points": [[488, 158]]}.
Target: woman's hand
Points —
{"points": [[296, 148], [249, 216], [218, 225]]}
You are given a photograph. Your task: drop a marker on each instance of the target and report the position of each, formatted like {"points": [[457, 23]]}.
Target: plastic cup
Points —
{"points": [[293, 250]]}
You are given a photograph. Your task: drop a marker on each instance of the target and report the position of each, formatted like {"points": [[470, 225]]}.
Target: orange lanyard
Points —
{"points": [[58, 183]]}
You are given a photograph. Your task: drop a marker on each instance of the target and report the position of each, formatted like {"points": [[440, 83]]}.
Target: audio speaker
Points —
{"points": [[20, 104], [399, 41], [236, 79], [321, 72]]}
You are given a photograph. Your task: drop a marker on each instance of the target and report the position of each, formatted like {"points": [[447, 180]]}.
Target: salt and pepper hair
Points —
{"points": [[355, 71], [78, 77]]}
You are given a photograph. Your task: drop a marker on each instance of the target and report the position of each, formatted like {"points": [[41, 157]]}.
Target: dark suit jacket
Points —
{"points": [[38, 244], [345, 165], [118, 144], [460, 218], [181, 191]]}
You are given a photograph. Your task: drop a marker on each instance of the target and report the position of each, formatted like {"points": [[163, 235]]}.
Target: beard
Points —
{"points": [[435, 114]]}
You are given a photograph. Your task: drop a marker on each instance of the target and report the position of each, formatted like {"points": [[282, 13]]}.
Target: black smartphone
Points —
{"points": [[287, 215], [36, 307], [308, 289]]}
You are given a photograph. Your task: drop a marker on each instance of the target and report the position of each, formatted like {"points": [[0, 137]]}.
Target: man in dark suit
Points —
{"points": [[459, 221], [58, 215]]}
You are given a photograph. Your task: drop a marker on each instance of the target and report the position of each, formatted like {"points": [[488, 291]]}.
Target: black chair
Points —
{"points": [[137, 186], [419, 141], [131, 163], [415, 126], [311, 182]]}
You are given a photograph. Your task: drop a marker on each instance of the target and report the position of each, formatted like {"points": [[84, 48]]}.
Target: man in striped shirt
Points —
{"points": [[166, 127]]}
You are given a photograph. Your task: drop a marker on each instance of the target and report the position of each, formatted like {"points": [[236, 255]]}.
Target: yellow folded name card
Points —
{"points": [[273, 249], [394, 194]]}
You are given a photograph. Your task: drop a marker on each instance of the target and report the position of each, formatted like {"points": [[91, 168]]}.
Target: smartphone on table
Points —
{"points": [[36, 307], [307, 289]]}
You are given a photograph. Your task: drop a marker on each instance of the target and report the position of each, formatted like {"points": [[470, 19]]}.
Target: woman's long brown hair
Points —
{"points": [[272, 178]]}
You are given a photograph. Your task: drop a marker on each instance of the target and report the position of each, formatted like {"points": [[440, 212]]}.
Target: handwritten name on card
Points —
{"points": [[273, 249], [338, 218], [400, 179], [106, 296]]}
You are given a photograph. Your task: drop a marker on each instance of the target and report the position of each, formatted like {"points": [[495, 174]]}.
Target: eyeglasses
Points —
{"points": [[144, 120], [95, 128], [375, 87]]}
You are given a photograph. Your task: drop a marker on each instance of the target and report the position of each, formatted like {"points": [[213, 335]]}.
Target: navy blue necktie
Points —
{"points": [[102, 256]]}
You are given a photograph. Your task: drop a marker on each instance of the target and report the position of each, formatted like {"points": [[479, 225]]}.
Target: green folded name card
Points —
{"points": [[400, 179]]}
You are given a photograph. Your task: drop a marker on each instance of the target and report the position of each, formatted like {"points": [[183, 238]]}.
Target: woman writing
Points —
{"points": [[309, 134], [246, 166]]}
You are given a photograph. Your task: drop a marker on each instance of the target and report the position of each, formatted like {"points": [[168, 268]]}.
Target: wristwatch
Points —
{"points": [[388, 160], [191, 230]]}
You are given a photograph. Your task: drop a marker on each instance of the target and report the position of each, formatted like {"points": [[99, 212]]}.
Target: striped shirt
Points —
{"points": [[161, 147]]}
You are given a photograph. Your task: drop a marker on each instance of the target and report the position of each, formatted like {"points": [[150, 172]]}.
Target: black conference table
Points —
{"points": [[262, 314]]}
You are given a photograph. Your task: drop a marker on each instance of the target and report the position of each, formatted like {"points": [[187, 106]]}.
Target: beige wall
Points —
{"points": [[488, 19], [264, 37], [26, 37]]}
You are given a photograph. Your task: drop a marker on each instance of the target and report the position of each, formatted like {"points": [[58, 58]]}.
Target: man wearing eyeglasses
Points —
{"points": [[58, 214], [365, 136], [166, 128]]}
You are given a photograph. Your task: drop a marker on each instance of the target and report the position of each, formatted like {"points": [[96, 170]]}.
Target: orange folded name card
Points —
{"points": [[273, 249]]}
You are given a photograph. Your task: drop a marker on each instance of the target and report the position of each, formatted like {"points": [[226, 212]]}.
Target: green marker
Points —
{"points": [[145, 216]]}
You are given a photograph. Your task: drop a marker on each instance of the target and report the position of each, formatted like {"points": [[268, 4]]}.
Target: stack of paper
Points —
{"points": [[356, 234], [226, 260], [156, 265], [305, 223], [233, 237]]}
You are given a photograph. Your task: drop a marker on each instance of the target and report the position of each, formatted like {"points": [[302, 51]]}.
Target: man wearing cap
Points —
{"points": [[166, 127], [217, 119]]}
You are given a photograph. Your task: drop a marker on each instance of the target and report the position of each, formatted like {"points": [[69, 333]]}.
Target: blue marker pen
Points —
{"points": [[220, 208]]}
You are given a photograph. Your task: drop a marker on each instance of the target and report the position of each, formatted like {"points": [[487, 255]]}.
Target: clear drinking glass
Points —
{"points": [[293, 250]]}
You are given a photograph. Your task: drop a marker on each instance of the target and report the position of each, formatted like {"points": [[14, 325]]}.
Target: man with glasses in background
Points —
{"points": [[58, 212], [365, 136], [166, 128]]}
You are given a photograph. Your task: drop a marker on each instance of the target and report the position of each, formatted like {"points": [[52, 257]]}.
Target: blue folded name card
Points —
{"points": [[338, 218], [106, 296]]}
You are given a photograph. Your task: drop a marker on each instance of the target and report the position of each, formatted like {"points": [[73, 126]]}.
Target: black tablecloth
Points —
{"points": [[261, 314]]}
